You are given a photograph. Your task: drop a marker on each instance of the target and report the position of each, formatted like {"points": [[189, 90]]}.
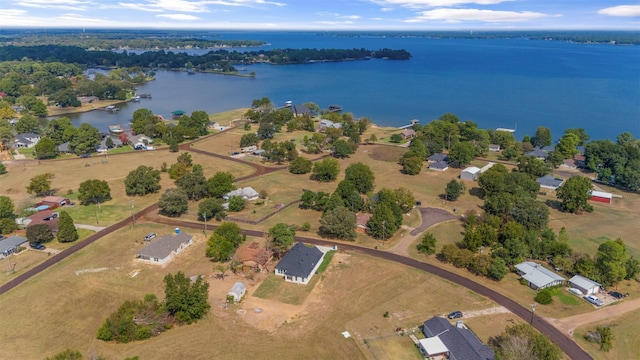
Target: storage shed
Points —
{"points": [[237, 291], [587, 286], [471, 173], [601, 196]]}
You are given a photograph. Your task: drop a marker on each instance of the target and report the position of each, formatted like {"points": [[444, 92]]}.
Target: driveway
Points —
{"points": [[430, 217], [569, 324]]}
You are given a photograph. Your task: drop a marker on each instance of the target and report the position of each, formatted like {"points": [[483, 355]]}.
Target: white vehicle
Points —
{"points": [[575, 291], [594, 300]]}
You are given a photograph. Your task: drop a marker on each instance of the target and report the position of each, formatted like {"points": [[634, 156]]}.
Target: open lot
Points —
{"points": [[626, 333]]}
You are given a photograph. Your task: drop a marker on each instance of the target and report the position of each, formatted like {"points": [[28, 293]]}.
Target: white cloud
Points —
{"points": [[456, 15], [54, 4], [385, 9], [621, 10], [416, 4], [181, 17], [77, 18], [139, 7], [201, 6]]}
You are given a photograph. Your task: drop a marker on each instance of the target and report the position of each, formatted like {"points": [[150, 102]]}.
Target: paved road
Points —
{"points": [[563, 341]]}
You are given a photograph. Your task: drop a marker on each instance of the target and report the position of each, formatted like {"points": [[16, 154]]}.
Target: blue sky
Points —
{"points": [[323, 14]]}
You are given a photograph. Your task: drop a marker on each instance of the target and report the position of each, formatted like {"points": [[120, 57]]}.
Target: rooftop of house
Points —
{"points": [[549, 181], [300, 260], [472, 169], [583, 282], [461, 342], [438, 165], [11, 242], [439, 157], [538, 274], [163, 247], [538, 153], [247, 192]]}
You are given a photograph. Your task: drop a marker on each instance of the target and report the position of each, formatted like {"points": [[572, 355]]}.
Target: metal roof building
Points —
{"points": [[538, 276]]}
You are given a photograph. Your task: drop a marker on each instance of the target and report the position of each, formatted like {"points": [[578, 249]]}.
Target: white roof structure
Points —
{"points": [[487, 167], [537, 274], [248, 193], [472, 169], [433, 346], [602, 194], [583, 282]]}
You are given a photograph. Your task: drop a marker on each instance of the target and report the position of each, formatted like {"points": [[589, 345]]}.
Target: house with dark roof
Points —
{"points": [[438, 157], [299, 264], [9, 245], [64, 148], [26, 140], [46, 217], [549, 182], [408, 134], [300, 110], [164, 249], [537, 276], [494, 147], [438, 166], [537, 153], [453, 342]]}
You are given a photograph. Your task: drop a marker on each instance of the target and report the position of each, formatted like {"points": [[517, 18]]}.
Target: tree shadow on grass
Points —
{"points": [[554, 204]]}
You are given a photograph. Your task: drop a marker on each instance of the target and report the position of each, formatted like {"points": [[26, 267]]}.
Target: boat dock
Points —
{"points": [[110, 109], [413, 122], [507, 130]]}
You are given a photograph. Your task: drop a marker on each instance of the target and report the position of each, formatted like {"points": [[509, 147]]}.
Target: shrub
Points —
{"points": [[544, 297], [305, 227]]}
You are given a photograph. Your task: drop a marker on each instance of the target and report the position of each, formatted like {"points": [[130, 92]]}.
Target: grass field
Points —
{"points": [[394, 347], [626, 333]]}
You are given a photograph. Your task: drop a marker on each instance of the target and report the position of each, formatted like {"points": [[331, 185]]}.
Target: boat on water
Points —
{"points": [[115, 129], [135, 98]]}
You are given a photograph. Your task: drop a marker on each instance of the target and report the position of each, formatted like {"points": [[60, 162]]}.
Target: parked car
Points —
{"points": [[455, 315], [594, 300], [37, 246], [149, 236], [84, 156], [575, 291], [235, 153], [616, 294]]}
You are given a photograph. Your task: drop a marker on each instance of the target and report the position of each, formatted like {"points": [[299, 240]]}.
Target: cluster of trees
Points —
{"points": [[185, 302], [278, 152], [224, 241], [7, 215], [142, 181], [615, 162], [522, 341], [188, 127]]}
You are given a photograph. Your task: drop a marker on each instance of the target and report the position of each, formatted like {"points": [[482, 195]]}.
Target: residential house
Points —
{"points": [[580, 160], [299, 264], [247, 193], [569, 163], [438, 158], [46, 217], [361, 222], [471, 173], [438, 166], [494, 147], [549, 182], [9, 245], [601, 196], [455, 342], [300, 110], [64, 148], [237, 291], [587, 286], [253, 257], [328, 124], [55, 201], [537, 276], [26, 140], [537, 153], [408, 134], [164, 249], [139, 142]]}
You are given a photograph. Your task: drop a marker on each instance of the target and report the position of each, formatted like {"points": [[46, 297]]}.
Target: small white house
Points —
{"points": [[471, 173], [587, 286], [247, 193], [164, 249], [237, 291]]}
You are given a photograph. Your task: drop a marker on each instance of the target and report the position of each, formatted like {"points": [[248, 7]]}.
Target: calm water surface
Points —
{"points": [[496, 83]]}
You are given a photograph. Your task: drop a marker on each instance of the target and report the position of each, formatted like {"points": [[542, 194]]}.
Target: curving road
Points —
{"points": [[563, 341]]}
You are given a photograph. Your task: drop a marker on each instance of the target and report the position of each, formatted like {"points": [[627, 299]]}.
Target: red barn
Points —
{"points": [[601, 196]]}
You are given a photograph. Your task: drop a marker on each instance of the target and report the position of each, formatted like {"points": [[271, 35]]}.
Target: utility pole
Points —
{"points": [[204, 216], [533, 311], [133, 217]]}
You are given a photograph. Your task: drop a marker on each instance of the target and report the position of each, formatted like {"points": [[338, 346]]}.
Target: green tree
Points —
{"points": [[220, 184], [300, 165], [3, 169], [28, 124], [606, 338], [173, 203], [67, 231], [404, 199], [498, 269], [68, 354], [412, 165], [395, 138], [94, 192], [427, 244], [361, 176], [326, 170], [39, 233], [339, 223], [142, 181], [185, 300], [232, 232], [522, 341], [45, 149], [611, 261], [40, 184], [6, 208], [211, 208], [7, 226], [193, 184], [236, 203], [86, 139], [544, 297], [532, 166], [219, 248], [383, 223], [144, 122], [342, 149], [249, 139], [574, 194], [580, 133], [461, 154], [454, 189], [542, 137], [282, 237]]}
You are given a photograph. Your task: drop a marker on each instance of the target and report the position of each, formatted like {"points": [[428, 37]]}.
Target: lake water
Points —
{"points": [[513, 83]]}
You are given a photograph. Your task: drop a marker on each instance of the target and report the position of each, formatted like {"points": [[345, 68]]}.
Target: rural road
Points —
{"points": [[559, 337]]}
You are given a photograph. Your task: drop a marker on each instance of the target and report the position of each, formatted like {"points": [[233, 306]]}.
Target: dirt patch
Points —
{"points": [[430, 217], [569, 324], [386, 153]]}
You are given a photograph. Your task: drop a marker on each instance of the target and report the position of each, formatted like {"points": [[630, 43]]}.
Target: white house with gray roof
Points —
{"points": [[9, 245], [549, 182], [164, 249], [587, 286], [247, 193], [453, 342], [537, 276], [299, 263]]}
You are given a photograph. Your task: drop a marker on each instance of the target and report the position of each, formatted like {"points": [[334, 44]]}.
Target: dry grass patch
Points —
{"points": [[626, 333], [225, 118], [394, 347], [493, 325]]}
